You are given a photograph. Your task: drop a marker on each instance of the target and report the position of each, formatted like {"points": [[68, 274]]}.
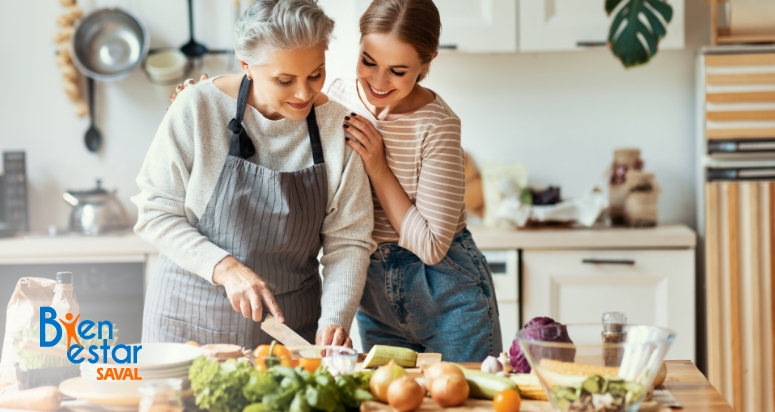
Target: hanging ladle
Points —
{"points": [[194, 49], [93, 138]]}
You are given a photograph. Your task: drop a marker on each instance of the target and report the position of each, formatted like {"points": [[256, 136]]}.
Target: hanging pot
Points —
{"points": [[110, 43]]}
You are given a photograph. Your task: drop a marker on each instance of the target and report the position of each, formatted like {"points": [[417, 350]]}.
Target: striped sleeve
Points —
{"points": [[429, 226]]}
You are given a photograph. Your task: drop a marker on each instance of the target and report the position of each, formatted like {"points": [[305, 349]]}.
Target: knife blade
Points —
{"points": [[282, 333]]}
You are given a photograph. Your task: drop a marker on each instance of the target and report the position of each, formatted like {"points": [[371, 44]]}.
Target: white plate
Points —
{"points": [[79, 389], [157, 356], [92, 371]]}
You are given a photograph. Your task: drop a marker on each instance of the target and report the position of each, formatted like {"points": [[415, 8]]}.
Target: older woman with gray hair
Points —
{"points": [[247, 178]]}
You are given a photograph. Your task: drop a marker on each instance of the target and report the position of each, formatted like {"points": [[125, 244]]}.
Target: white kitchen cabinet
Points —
{"points": [[474, 26], [504, 265], [563, 25], [653, 287]]}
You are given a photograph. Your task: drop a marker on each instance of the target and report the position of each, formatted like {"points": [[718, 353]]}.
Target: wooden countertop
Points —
{"points": [[684, 381], [677, 236]]}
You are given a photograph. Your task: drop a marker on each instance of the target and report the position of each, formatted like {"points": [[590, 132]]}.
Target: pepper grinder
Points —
{"points": [[614, 332]]}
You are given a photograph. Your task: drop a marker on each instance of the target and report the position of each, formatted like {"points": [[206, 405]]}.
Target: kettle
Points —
{"points": [[96, 211]]}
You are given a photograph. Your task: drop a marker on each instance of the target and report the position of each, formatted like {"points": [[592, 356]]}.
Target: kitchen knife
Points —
{"points": [[282, 333]]}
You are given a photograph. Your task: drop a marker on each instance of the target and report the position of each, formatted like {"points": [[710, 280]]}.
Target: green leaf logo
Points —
{"points": [[636, 28]]}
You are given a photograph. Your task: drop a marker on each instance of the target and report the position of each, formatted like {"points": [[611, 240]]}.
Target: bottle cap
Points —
{"points": [[64, 278]]}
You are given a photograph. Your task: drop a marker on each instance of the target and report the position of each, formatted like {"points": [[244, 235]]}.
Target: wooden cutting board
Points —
{"points": [[476, 405], [471, 405]]}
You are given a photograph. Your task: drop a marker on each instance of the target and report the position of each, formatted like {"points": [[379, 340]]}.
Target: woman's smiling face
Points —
{"points": [[387, 69], [289, 82]]}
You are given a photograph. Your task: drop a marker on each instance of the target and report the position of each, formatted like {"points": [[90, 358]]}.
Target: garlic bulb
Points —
{"points": [[491, 365], [506, 362]]}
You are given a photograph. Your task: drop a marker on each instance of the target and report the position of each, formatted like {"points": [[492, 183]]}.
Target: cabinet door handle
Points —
{"points": [[448, 46], [629, 262], [591, 43]]}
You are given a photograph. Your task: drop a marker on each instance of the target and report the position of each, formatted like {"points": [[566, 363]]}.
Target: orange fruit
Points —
{"points": [[309, 365], [507, 401], [192, 343]]}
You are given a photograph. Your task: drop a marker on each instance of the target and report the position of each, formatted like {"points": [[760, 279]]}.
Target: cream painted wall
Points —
{"points": [[561, 114]]}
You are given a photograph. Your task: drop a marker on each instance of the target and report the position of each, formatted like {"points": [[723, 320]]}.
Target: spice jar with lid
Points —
{"points": [[614, 332], [163, 395]]}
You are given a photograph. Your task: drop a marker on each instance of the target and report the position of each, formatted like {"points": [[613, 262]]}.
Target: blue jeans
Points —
{"points": [[447, 308]]}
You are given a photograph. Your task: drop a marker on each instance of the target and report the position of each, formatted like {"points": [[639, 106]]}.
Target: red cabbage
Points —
{"points": [[540, 329]]}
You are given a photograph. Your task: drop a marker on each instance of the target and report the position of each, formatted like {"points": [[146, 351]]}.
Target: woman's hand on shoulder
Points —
{"points": [[333, 335], [368, 144], [186, 83]]}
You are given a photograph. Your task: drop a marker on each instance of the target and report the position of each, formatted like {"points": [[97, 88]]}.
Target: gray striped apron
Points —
{"points": [[270, 221]]}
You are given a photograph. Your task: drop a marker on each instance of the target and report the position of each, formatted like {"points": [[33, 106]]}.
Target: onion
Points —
{"points": [[439, 369], [450, 390], [382, 378], [405, 394], [661, 375]]}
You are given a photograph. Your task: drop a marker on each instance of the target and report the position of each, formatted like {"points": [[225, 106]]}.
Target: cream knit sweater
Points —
{"points": [[184, 163]]}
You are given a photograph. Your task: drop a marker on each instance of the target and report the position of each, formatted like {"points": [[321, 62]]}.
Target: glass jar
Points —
{"points": [[614, 332], [164, 395]]}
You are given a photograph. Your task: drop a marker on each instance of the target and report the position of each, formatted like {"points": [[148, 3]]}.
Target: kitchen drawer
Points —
{"points": [[654, 287]]}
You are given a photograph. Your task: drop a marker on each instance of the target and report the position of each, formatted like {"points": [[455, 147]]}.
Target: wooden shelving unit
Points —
{"points": [[722, 35]]}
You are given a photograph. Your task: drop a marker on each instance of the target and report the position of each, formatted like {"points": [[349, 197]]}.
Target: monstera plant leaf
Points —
{"points": [[637, 28]]}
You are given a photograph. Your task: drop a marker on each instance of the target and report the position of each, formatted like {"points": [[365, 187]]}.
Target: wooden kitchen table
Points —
{"points": [[684, 381]]}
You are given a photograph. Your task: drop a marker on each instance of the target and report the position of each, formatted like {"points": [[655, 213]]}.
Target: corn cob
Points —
{"points": [[578, 369], [529, 386]]}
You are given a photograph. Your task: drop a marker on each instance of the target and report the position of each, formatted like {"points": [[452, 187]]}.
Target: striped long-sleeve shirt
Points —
{"points": [[424, 153]]}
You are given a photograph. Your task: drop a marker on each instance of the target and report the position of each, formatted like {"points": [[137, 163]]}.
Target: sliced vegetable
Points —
{"points": [[382, 354], [598, 394]]}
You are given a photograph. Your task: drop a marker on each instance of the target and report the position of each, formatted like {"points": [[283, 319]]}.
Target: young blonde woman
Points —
{"points": [[428, 287]]}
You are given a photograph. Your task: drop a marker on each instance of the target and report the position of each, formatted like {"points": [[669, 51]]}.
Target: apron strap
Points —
{"points": [[240, 145], [314, 136]]}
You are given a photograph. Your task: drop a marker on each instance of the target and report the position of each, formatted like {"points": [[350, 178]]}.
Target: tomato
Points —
{"points": [[309, 365], [507, 401]]}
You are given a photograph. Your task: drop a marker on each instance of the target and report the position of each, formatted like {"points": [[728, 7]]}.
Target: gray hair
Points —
{"points": [[280, 24]]}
